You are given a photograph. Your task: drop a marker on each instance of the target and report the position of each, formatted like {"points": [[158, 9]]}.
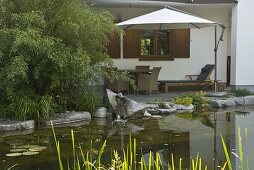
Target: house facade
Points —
{"points": [[182, 52]]}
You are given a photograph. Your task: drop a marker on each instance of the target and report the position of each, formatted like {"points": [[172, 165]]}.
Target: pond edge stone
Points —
{"points": [[8, 125]]}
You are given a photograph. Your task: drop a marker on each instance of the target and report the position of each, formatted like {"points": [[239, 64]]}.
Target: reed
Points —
{"points": [[128, 160]]}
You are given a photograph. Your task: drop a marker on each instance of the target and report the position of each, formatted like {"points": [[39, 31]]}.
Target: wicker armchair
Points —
{"points": [[148, 82]]}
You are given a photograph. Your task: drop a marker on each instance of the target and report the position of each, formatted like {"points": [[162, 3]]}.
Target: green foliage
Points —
{"points": [[198, 99], [126, 161], [89, 102], [242, 92], [51, 51], [37, 108], [161, 105], [186, 101]]}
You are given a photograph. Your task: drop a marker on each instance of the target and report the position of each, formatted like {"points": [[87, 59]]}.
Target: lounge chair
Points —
{"points": [[201, 80], [148, 82]]}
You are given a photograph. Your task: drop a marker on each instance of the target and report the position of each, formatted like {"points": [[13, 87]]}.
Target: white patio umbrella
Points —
{"points": [[167, 18], [171, 18]]}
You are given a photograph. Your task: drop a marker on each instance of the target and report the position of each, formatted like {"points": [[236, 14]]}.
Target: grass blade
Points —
{"points": [[226, 153]]}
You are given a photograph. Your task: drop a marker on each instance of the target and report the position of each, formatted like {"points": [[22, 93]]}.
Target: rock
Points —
{"points": [[101, 112], [249, 100], [153, 111], [68, 117], [111, 100], [163, 111], [129, 108], [240, 101], [149, 106], [120, 95], [9, 125], [169, 105], [156, 116], [182, 107], [124, 106], [223, 103], [147, 114]]}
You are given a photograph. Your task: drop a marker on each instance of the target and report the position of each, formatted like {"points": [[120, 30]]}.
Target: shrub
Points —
{"points": [[89, 102], [33, 107], [198, 99], [186, 101], [161, 105], [49, 52], [242, 92]]}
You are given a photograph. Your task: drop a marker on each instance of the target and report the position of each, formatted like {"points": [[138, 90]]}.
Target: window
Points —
{"points": [[156, 45], [147, 42], [152, 45]]}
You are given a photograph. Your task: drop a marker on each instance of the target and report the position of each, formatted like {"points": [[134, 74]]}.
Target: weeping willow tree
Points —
{"points": [[50, 52]]}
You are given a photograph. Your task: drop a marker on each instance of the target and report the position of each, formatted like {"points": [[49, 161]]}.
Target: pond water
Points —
{"points": [[182, 134]]}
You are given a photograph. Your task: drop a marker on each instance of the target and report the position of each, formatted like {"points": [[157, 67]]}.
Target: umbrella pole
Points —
{"points": [[215, 59], [121, 44], [217, 43]]}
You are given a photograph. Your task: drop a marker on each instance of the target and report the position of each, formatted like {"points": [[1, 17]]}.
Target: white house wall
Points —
{"points": [[201, 45], [242, 47]]}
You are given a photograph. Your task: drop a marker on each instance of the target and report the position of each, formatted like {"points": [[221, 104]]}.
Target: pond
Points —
{"points": [[183, 134]]}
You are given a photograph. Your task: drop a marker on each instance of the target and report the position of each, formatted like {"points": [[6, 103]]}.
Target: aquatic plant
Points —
{"points": [[127, 160]]}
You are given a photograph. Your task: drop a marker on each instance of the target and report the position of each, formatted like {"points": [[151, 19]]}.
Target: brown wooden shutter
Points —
{"points": [[114, 46], [181, 43], [131, 48]]}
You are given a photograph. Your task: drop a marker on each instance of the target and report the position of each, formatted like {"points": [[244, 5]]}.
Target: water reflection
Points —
{"points": [[183, 134]]}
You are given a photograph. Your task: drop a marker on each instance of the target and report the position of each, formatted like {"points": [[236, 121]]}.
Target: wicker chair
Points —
{"points": [[148, 82]]}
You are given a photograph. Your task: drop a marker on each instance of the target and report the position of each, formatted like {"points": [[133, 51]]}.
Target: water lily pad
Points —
{"points": [[37, 149], [13, 154], [18, 150], [30, 153], [27, 146]]}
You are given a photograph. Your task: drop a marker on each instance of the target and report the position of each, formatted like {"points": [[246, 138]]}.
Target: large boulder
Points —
{"points": [[123, 106], [68, 117], [223, 103], [127, 108], [240, 101], [111, 101], [249, 100], [10, 125]]}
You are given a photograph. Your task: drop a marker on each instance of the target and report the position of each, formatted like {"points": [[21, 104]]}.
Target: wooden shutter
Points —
{"points": [[181, 43], [114, 46], [131, 48]]}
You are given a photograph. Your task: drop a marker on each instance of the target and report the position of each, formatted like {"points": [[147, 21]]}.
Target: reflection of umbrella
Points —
{"points": [[171, 18]]}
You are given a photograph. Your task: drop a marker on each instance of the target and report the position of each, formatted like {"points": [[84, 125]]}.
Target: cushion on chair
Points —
{"points": [[205, 72]]}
